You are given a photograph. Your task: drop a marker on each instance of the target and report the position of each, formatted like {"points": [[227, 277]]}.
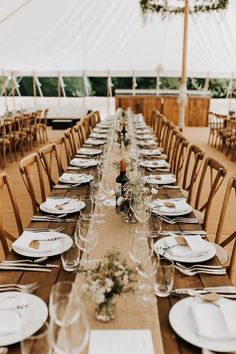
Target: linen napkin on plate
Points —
{"points": [[214, 321], [155, 179], [83, 162], [60, 204], [74, 178], [188, 246], [23, 242], [172, 206], [91, 141], [10, 320], [153, 164], [154, 152], [84, 151]]}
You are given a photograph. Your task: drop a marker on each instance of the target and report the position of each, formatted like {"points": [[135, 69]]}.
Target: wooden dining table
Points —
{"points": [[115, 233]]}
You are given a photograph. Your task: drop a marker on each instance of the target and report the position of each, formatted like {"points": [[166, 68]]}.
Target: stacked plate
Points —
{"points": [[22, 315], [74, 178], [83, 163], [160, 179], [84, 151]]}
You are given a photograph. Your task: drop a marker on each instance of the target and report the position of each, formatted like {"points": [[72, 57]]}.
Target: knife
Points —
{"points": [[178, 232], [32, 269], [28, 265], [217, 289]]}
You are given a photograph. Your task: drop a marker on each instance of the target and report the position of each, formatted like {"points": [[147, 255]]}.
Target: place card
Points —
{"points": [[120, 341]]}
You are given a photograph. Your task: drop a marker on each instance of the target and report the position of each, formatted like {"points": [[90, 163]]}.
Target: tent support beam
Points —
{"points": [[183, 84]]}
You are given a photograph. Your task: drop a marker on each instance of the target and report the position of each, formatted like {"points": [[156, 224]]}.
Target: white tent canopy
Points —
{"points": [[107, 37]]}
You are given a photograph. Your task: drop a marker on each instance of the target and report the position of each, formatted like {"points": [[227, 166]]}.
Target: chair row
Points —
{"points": [[37, 167], [19, 133], [222, 133], [194, 173]]}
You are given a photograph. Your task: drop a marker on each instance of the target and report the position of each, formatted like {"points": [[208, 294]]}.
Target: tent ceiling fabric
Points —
{"points": [[99, 37]]}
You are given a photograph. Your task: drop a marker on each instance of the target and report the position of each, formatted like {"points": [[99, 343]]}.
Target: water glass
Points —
{"points": [[71, 258], [164, 277], [38, 343], [87, 211], [69, 328]]}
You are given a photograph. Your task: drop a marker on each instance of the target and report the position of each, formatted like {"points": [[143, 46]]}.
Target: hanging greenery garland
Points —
{"points": [[164, 8]]}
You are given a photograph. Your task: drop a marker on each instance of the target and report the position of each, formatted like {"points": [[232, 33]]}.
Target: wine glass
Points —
{"points": [[139, 250], [141, 206], [69, 327], [147, 269], [86, 236], [98, 195]]}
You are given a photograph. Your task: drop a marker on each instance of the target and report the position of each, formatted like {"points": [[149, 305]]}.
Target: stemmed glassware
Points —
{"points": [[98, 194], [69, 328], [147, 269], [140, 204], [86, 236]]}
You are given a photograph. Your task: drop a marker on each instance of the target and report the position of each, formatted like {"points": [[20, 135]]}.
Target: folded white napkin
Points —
{"points": [[215, 321], [147, 142], [153, 164], [22, 243], [91, 141], [180, 206], [168, 178], [83, 162], [10, 320], [154, 152], [195, 247], [74, 177], [84, 151], [66, 204], [98, 135]]}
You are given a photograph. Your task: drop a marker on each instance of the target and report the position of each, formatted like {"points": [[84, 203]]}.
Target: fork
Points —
{"points": [[182, 220], [57, 229], [20, 287], [204, 266], [201, 270]]}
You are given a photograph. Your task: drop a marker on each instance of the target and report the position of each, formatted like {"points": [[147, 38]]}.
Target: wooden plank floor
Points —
{"points": [[197, 136]]}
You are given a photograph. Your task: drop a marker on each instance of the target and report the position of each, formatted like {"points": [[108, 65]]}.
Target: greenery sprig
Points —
{"points": [[163, 8]]}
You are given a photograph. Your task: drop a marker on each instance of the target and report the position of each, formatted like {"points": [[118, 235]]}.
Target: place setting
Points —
{"points": [[92, 141], [155, 165], [171, 207], [61, 205], [88, 152], [160, 179], [75, 178], [83, 163]]}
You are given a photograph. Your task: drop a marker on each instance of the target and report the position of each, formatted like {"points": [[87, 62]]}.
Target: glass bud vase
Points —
{"points": [[105, 312]]}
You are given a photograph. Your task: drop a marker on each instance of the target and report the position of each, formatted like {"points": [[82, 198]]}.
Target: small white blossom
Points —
{"points": [[119, 201], [153, 190]]}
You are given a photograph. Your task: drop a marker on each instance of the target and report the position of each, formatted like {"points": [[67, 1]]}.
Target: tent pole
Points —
{"points": [[34, 89], [59, 88], [183, 84]]}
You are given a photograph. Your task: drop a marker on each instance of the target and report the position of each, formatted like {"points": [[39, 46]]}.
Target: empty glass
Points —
{"points": [[98, 194], [38, 343], [71, 258], [164, 277], [87, 211], [147, 269], [69, 328]]}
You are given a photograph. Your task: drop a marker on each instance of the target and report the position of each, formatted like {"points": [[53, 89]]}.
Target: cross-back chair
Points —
{"points": [[70, 142], [5, 141], [32, 174], [5, 236], [50, 159], [193, 164], [63, 150], [179, 156], [212, 175]]}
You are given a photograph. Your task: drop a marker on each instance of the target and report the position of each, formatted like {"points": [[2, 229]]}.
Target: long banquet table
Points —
{"points": [[115, 233]]}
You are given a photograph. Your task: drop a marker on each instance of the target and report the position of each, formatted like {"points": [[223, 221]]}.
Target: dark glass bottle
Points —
{"points": [[121, 180]]}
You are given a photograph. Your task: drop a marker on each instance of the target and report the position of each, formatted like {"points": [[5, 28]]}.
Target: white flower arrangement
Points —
{"points": [[109, 278]]}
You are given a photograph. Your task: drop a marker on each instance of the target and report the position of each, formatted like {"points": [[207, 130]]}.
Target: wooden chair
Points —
{"points": [[215, 172], [76, 137], [192, 168], [5, 186], [32, 174], [50, 158], [37, 127], [5, 140], [179, 156], [70, 142], [223, 255], [63, 150]]}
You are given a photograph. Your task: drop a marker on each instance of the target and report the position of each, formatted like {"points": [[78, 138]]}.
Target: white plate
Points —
{"points": [[92, 141], [186, 211], [152, 180], [83, 163], [75, 178], [184, 326], [154, 164], [160, 247], [78, 205], [65, 243], [32, 317], [90, 152]]}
